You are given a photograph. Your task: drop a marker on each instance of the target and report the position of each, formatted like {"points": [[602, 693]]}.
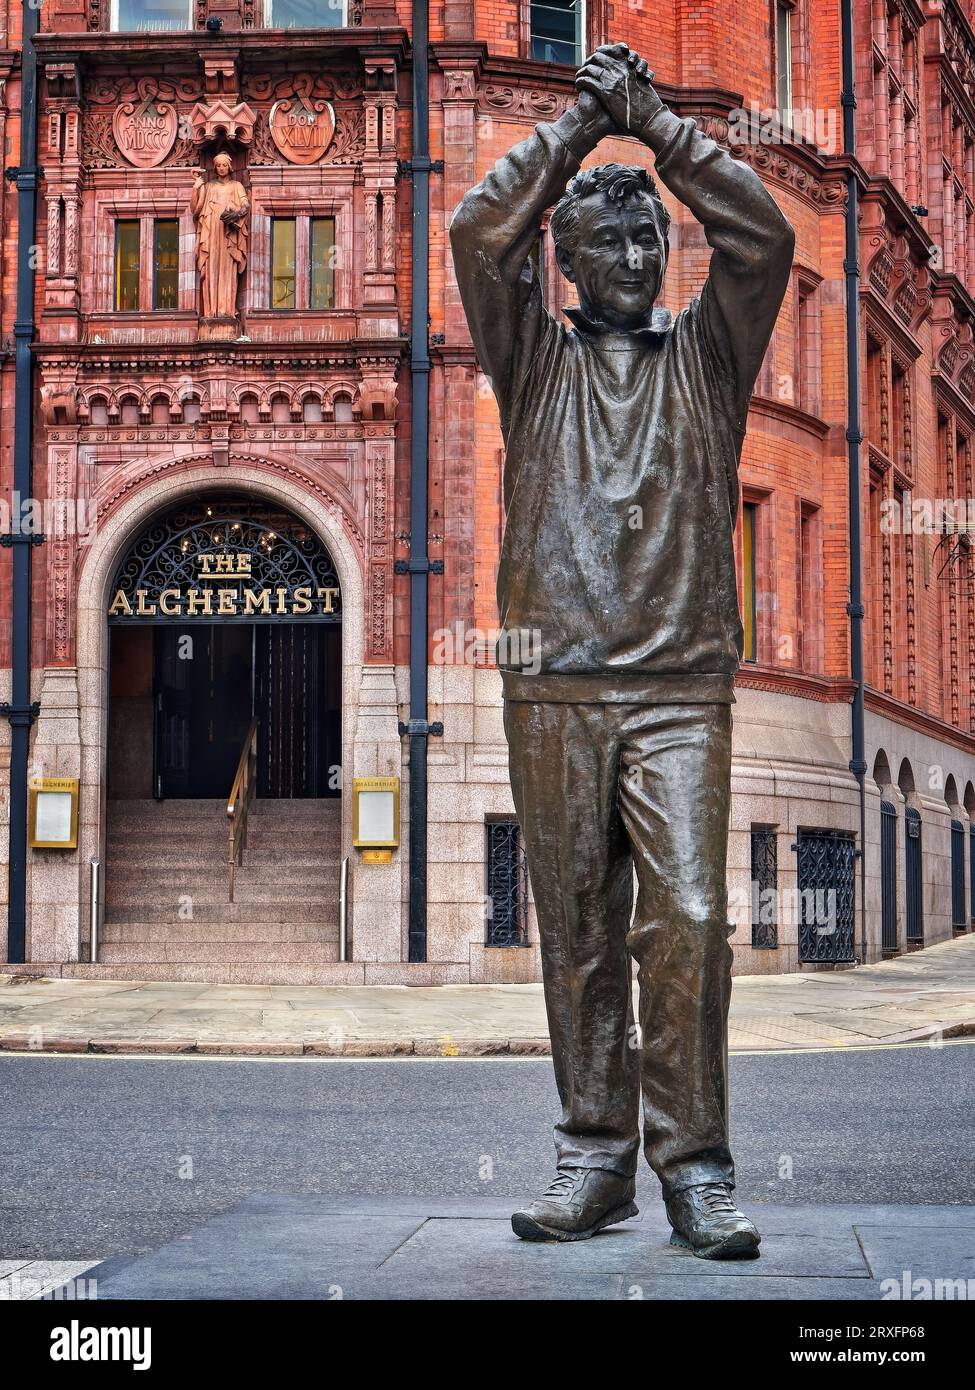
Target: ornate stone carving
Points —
{"points": [[218, 121], [111, 91], [526, 102], [145, 132], [347, 145], [341, 85], [378, 617], [459, 85], [302, 129]]}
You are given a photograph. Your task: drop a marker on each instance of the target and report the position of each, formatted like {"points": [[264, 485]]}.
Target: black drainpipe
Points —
{"points": [[419, 566], [20, 711], [854, 438]]}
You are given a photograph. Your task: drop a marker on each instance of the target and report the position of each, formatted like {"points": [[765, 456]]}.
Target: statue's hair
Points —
{"points": [[620, 183]]}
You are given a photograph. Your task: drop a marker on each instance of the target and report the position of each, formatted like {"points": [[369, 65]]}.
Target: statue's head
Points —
{"points": [[610, 233], [223, 165]]}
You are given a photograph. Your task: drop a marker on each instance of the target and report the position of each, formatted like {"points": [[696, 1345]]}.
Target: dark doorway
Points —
{"points": [[298, 701], [204, 699], [210, 680]]}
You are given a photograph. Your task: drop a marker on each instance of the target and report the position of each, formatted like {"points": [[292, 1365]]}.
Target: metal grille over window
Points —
{"points": [[915, 905], [888, 876], [765, 913], [507, 885], [827, 895], [959, 908]]}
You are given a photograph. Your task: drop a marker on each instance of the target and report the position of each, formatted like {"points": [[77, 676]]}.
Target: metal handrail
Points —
{"points": [[239, 802]]}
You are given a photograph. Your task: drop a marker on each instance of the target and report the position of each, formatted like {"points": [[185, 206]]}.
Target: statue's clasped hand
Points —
{"points": [[623, 83]]}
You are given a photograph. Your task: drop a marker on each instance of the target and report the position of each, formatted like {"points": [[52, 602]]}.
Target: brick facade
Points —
{"points": [[314, 405]]}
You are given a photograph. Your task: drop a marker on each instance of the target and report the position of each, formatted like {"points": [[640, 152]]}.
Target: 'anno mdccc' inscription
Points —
{"points": [[302, 130], [145, 131]]}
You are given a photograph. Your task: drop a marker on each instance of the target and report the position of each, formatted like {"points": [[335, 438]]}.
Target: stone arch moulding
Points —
{"points": [[124, 518]]}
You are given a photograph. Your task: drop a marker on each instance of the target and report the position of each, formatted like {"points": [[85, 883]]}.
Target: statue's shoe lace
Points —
{"points": [[577, 1203], [707, 1222]]}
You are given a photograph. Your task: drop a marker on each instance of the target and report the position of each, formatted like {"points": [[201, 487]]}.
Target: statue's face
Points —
{"points": [[618, 261], [223, 165]]}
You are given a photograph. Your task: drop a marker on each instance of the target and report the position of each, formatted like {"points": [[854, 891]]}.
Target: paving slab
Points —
{"points": [[925, 994], [310, 1246]]}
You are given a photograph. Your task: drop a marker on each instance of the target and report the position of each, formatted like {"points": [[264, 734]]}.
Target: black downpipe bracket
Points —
{"points": [[854, 439], [418, 566], [20, 712]]}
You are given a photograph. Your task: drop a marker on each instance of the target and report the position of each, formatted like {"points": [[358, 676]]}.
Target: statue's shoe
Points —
{"points": [[707, 1222], [577, 1203]]}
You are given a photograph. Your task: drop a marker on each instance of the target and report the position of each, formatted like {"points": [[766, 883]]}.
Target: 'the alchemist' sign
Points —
{"points": [[225, 588]]}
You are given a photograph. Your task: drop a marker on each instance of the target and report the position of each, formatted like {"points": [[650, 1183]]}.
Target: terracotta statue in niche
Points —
{"points": [[220, 210]]}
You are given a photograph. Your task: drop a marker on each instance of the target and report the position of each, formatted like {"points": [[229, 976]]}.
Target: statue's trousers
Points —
{"points": [[601, 789]]}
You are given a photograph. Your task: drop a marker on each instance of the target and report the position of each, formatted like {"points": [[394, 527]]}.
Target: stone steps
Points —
{"points": [[260, 850], [203, 933], [245, 908], [230, 973], [283, 925], [212, 879], [216, 953]]}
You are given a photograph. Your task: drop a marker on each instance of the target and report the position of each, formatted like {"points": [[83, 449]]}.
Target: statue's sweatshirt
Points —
{"points": [[617, 575]]}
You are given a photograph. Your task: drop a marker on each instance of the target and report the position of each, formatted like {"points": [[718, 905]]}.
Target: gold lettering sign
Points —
{"points": [[226, 602]]}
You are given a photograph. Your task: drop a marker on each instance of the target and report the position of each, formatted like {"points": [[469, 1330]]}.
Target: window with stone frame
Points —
{"points": [[892, 139], [749, 588], [808, 343], [561, 31], [150, 16], [957, 250], [810, 627], [300, 257], [784, 18], [952, 568], [305, 14], [146, 264], [302, 263], [889, 556], [755, 559], [556, 31]]}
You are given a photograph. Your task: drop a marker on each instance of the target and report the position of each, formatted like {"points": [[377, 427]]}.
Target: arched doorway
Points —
{"points": [[224, 611]]}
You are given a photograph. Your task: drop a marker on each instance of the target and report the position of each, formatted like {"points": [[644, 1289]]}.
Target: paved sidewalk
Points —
{"points": [[316, 1247], [929, 994]]}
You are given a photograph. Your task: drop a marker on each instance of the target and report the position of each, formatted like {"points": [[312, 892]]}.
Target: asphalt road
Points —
{"points": [[102, 1156]]}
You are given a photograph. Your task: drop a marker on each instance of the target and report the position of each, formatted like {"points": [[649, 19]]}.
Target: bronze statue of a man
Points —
{"points": [[623, 436]]}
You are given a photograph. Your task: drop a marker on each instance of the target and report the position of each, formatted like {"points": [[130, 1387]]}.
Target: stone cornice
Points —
{"points": [[826, 689], [800, 420], [97, 47], [112, 358], [879, 703]]}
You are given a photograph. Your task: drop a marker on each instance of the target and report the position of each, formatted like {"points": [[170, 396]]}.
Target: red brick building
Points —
{"points": [[230, 510]]}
